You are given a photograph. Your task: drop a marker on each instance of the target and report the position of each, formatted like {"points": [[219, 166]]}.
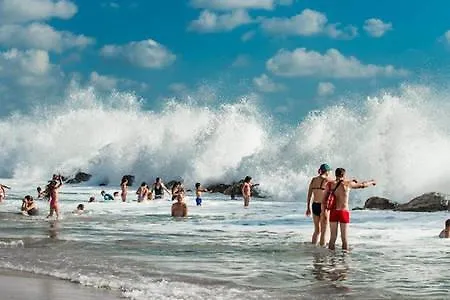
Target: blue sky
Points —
{"points": [[295, 55]]}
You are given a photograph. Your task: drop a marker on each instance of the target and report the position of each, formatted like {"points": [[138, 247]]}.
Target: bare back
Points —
{"points": [[317, 187], [342, 194]]}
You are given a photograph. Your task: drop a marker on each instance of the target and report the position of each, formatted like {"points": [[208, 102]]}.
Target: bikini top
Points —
{"points": [[321, 187]]}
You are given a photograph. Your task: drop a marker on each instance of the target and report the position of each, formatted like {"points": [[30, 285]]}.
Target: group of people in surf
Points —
{"points": [[144, 193], [327, 201]]}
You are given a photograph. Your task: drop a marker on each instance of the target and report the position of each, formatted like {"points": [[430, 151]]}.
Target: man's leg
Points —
{"points": [[333, 229], [344, 230]]}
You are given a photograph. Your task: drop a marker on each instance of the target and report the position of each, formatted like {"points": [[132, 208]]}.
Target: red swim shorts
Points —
{"points": [[340, 215]]}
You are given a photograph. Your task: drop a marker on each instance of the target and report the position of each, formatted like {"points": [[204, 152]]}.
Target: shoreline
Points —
{"points": [[22, 285]]}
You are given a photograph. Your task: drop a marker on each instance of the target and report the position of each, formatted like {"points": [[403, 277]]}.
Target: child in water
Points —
{"points": [[198, 193]]}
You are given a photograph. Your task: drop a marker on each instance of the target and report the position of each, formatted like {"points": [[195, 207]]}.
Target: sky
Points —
{"points": [[292, 56]]}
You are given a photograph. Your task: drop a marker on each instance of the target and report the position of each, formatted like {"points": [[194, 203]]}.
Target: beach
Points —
{"points": [[22, 286]]}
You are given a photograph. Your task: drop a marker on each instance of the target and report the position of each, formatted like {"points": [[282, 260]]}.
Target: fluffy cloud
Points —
{"points": [[331, 64], [41, 36], [241, 61], [309, 22], [376, 27], [266, 85], [18, 11], [238, 4], [145, 54], [109, 83], [27, 77], [325, 89], [212, 22]]}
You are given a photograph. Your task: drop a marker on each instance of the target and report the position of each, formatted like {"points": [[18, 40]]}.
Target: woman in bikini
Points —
{"points": [[315, 191]]}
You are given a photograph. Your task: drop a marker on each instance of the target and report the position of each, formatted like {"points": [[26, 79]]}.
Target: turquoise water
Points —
{"points": [[223, 251]]}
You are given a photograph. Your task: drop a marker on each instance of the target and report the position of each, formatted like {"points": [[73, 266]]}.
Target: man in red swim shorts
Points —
{"points": [[339, 213]]}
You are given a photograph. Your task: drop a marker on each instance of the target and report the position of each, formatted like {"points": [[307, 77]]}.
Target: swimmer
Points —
{"points": [[142, 192], [54, 196], [247, 190], [91, 199], [158, 189], [3, 191], [106, 197], [179, 208], [29, 207], [124, 188], [79, 210]]}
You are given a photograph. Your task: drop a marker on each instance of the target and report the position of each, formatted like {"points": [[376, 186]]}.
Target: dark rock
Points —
{"points": [[79, 177], [357, 208], [218, 188], [379, 203], [429, 202]]}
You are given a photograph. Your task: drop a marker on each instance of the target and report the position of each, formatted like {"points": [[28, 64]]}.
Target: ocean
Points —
{"points": [[223, 251]]}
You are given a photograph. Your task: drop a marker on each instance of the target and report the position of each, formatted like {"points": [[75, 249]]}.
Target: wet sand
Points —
{"points": [[25, 286]]}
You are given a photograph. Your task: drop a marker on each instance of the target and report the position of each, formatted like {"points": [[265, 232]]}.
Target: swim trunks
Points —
{"points": [[198, 200], [316, 209], [340, 215], [32, 212]]}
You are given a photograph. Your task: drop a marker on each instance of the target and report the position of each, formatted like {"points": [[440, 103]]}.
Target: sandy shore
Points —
{"points": [[25, 286]]}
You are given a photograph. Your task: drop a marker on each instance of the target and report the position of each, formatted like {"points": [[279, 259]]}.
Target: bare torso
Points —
{"points": [[318, 185]]}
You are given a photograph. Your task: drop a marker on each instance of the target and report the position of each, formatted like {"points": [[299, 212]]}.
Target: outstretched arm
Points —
{"points": [[361, 185], [5, 186], [165, 188]]}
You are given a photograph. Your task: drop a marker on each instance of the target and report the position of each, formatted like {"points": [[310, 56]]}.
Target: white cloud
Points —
{"points": [[446, 36], [241, 60], [266, 85], [247, 36], [41, 36], [109, 83], [331, 64], [308, 23], [27, 77], [145, 54], [376, 27], [18, 11], [212, 22], [177, 87], [325, 89], [239, 4]]}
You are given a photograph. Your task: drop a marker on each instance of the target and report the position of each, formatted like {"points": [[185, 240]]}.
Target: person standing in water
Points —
{"points": [[158, 189], [142, 192], [336, 201], [315, 191], [53, 189], [3, 191], [247, 190], [124, 189], [198, 193]]}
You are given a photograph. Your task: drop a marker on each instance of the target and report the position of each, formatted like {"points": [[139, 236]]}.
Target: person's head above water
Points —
{"points": [[158, 180], [143, 183], [447, 223], [124, 179], [197, 185], [324, 168], [80, 207], [247, 179], [339, 173]]}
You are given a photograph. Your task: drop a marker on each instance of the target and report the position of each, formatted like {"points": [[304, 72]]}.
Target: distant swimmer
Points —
{"points": [[79, 210], [53, 188], [445, 233], [315, 191], [124, 188], [106, 197], [116, 195], [40, 193], [3, 189], [247, 190], [336, 201], [142, 192], [198, 193], [91, 199], [158, 189], [29, 207], [179, 208]]}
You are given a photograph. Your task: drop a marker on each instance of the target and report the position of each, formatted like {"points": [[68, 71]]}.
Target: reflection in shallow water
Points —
{"points": [[330, 267], [54, 229]]}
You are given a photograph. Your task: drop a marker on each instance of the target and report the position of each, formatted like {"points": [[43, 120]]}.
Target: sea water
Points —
{"points": [[223, 251]]}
